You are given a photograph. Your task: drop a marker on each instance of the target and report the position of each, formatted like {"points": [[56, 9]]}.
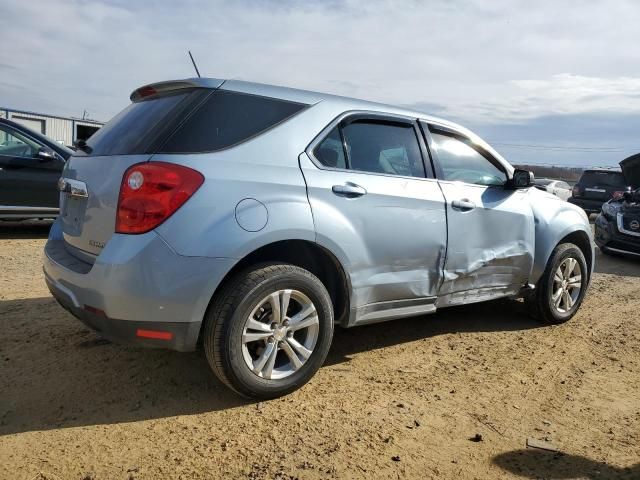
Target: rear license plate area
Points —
{"points": [[73, 214]]}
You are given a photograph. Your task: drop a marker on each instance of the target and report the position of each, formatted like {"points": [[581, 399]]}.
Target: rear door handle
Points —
{"points": [[349, 190], [463, 205]]}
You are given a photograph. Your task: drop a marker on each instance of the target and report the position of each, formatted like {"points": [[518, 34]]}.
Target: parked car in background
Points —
{"points": [[558, 188], [250, 218], [596, 187], [30, 166], [618, 226]]}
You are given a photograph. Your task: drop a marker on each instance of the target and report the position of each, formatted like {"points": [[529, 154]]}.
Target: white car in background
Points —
{"points": [[555, 187]]}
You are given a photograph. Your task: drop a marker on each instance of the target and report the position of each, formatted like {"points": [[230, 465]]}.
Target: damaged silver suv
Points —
{"points": [[250, 219]]}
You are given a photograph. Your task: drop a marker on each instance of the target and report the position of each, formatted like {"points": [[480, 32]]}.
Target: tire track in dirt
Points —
{"points": [[415, 390]]}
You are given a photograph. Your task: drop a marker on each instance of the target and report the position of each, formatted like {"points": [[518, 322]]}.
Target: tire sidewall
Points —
{"points": [[236, 367]]}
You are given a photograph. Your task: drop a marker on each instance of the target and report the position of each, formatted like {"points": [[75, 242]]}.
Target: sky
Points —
{"points": [[546, 82]]}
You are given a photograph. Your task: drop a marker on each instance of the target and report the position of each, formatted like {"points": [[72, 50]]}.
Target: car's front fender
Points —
{"points": [[557, 220]]}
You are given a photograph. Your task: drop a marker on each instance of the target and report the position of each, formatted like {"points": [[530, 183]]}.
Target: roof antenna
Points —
{"points": [[194, 63]]}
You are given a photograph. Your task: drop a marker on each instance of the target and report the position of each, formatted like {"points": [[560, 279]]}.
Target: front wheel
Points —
{"points": [[561, 289], [269, 330]]}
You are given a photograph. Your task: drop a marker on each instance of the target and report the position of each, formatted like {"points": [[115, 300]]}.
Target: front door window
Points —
{"points": [[13, 144]]}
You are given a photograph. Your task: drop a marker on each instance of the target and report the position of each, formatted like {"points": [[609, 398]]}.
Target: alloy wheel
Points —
{"points": [[280, 334], [567, 285]]}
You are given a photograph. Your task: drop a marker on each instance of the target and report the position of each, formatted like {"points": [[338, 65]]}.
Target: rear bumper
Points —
{"points": [[175, 335], [589, 206], [608, 236], [137, 283]]}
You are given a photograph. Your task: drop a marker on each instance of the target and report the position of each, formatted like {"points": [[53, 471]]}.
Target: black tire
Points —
{"points": [[540, 302], [226, 317]]}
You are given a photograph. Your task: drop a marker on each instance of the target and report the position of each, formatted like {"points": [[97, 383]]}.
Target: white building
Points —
{"points": [[64, 130]]}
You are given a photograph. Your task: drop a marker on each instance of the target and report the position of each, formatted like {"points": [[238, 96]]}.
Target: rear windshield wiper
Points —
{"points": [[82, 145]]}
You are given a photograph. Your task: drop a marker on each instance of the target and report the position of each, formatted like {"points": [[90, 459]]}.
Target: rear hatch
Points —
{"points": [[599, 185], [630, 211], [631, 170], [94, 173]]}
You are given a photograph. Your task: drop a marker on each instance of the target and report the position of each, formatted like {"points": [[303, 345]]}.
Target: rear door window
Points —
{"points": [[388, 148], [373, 146], [228, 118]]}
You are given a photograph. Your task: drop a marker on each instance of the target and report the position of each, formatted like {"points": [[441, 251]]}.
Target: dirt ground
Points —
{"points": [[394, 400]]}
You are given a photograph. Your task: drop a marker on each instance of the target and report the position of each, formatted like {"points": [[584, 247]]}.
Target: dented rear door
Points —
{"points": [[387, 230]]}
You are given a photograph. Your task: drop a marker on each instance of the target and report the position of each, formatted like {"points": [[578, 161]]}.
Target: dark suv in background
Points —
{"points": [[596, 187], [618, 226]]}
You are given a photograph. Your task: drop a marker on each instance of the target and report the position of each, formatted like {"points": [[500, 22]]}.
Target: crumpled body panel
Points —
{"points": [[489, 267], [491, 247]]}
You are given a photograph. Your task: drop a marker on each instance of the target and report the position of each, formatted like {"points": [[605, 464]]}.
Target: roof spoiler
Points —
{"points": [[172, 85]]}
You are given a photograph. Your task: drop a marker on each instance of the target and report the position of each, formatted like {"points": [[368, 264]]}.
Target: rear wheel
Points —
{"points": [[269, 330], [560, 290]]}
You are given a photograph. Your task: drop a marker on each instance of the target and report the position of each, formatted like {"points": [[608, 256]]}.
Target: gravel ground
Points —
{"points": [[452, 395]]}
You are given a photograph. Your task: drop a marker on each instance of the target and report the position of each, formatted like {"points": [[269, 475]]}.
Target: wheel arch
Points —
{"points": [[305, 254], [582, 240], [574, 234]]}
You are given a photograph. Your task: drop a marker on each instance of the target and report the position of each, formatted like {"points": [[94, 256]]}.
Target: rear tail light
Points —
{"points": [[618, 195], [575, 191], [151, 192]]}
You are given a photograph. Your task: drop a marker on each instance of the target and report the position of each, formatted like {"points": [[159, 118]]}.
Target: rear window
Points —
{"points": [[191, 121], [132, 130], [603, 179], [226, 119]]}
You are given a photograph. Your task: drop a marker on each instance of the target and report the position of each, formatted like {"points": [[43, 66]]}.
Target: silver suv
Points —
{"points": [[250, 219]]}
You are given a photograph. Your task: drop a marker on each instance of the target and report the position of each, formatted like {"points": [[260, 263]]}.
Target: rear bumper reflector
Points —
{"points": [[94, 310], [156, 334]]}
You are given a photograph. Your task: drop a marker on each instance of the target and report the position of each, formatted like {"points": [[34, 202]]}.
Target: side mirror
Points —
{"points": [[521, 179], [46, 155]]}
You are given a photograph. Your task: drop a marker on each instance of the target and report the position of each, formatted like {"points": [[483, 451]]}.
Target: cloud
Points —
{"points": [[581, 139], [476, 61], [570, 94]]}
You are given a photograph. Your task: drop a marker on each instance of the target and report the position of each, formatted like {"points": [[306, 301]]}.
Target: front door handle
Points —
{"points": [[464, 205], [349, 190]]}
